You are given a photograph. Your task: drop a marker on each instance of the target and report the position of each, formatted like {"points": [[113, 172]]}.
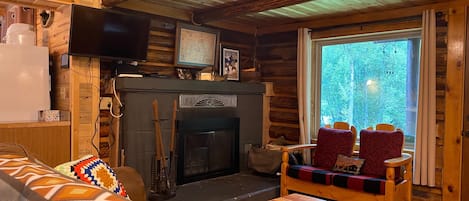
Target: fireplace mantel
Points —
{"points": [[137, 128], [188, 86]]}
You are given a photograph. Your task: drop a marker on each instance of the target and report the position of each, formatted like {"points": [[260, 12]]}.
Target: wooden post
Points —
{"points": [[269, 92], [454, 104]]}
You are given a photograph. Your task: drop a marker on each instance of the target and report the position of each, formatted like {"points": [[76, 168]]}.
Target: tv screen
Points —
{"points": [[108, 34]]}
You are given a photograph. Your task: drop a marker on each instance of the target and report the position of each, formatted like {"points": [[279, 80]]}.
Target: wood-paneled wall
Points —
{"points": [[276, 57], [441, 51], [56, 38], [75, 86]]}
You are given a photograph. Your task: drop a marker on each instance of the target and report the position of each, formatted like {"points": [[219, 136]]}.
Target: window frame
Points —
{"points": [[316, 55]]}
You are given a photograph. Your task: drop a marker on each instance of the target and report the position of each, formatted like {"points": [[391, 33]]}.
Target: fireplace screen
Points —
{"points": [[207, 148]]}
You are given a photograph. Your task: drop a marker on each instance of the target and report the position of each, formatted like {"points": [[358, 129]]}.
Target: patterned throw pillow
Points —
{"points": [[93, 170], [348, 164]]}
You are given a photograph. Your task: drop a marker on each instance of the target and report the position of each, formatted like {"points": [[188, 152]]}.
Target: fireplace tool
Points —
{"points": [[159, 182], [172, 147]]}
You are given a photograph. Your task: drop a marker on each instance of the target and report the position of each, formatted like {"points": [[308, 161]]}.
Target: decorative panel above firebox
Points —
{"points": [[207, 101], [137, 131]]}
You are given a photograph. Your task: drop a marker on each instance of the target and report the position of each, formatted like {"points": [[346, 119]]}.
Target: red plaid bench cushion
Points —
{"points": [[360, 183], [309, 173]]}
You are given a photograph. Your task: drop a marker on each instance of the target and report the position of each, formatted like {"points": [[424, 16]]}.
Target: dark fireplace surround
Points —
{"points": [[201, 132]]}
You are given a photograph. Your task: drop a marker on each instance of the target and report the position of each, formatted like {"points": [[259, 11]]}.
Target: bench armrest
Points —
{"points": [[297, 147], [400, 161]]}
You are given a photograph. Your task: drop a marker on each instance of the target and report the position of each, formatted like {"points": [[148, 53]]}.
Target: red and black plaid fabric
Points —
{"points": [[360, 183], [309, 173], [332, 142]]}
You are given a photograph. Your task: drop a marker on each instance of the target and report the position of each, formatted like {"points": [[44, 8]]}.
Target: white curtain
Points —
{"points": [[425, 143], [304, 87]]}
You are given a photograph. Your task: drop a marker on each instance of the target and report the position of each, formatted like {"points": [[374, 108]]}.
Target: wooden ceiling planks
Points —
{"points": [[263, 15], [243, 8]]}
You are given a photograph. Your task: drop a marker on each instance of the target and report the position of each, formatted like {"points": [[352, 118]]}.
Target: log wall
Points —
{"points": [[276, 57], [441, 66]]}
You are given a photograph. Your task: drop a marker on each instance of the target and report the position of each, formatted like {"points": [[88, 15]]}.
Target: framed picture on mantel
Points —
{"points": [[196, 46], [229, 64]]}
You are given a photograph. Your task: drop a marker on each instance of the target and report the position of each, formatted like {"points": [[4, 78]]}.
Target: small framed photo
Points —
{"points": [[229, 65]]}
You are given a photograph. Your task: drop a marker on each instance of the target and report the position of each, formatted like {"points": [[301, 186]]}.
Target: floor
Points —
{"points": [[245, 186]]}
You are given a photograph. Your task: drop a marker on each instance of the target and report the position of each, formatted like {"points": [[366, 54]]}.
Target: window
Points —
{"points": [[368, 79]]}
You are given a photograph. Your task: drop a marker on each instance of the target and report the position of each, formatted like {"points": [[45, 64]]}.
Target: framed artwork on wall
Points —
{"points": [[196, 46], [229, 63]]}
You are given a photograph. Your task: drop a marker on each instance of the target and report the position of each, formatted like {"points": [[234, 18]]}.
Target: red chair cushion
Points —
{"points": [[330, 143], [378, 146], [360, 183], [311, 174]]}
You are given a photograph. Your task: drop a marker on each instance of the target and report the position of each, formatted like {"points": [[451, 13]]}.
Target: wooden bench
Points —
{"points": [[380, 182]]}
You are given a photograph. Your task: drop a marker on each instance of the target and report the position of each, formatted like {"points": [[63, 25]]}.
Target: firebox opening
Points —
{"points": [[207, 148]]}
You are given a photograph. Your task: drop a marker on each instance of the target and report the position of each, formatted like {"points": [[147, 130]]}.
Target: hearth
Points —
{"points": [[207, 148]]}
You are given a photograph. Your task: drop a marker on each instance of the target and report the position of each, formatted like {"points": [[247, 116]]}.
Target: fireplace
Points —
{"points": [[137, 132], [207, 148]]}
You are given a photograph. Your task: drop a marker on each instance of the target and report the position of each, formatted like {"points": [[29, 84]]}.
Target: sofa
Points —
{"points": [[23, 177], [378, 171]]}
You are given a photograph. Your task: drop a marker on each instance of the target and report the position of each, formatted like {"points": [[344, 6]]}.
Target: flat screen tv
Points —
{"points": [[108, 34]]}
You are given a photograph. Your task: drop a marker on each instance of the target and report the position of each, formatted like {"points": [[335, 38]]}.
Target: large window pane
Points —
{"points": [[370, 82]]}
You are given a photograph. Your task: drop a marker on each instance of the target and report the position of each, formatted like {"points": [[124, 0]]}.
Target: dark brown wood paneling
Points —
{"points": [[278, 68], [276, 55], [441, 62], [291, 134], [285, 117], [284, 102]]}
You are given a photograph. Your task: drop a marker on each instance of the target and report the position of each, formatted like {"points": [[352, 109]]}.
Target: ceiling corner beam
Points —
{"points": [[151, 8], [111, 3], [241, 9]]}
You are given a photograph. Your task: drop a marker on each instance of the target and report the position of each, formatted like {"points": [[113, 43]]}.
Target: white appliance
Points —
{"points": [[24, 82]]}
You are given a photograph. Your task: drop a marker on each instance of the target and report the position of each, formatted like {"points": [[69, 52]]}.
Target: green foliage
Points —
{"points": [[365, 83]]}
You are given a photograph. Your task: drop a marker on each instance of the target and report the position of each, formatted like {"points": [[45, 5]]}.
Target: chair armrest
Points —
{"points": [[400, 161], [132, 181], [289, 148], [297, 147]]}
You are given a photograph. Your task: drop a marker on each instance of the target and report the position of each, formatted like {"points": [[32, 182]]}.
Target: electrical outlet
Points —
{"points": [[105, 103]]}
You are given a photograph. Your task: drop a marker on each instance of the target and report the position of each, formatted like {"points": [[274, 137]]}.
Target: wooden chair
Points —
{"points": [[344, 126], [384, 127]]}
